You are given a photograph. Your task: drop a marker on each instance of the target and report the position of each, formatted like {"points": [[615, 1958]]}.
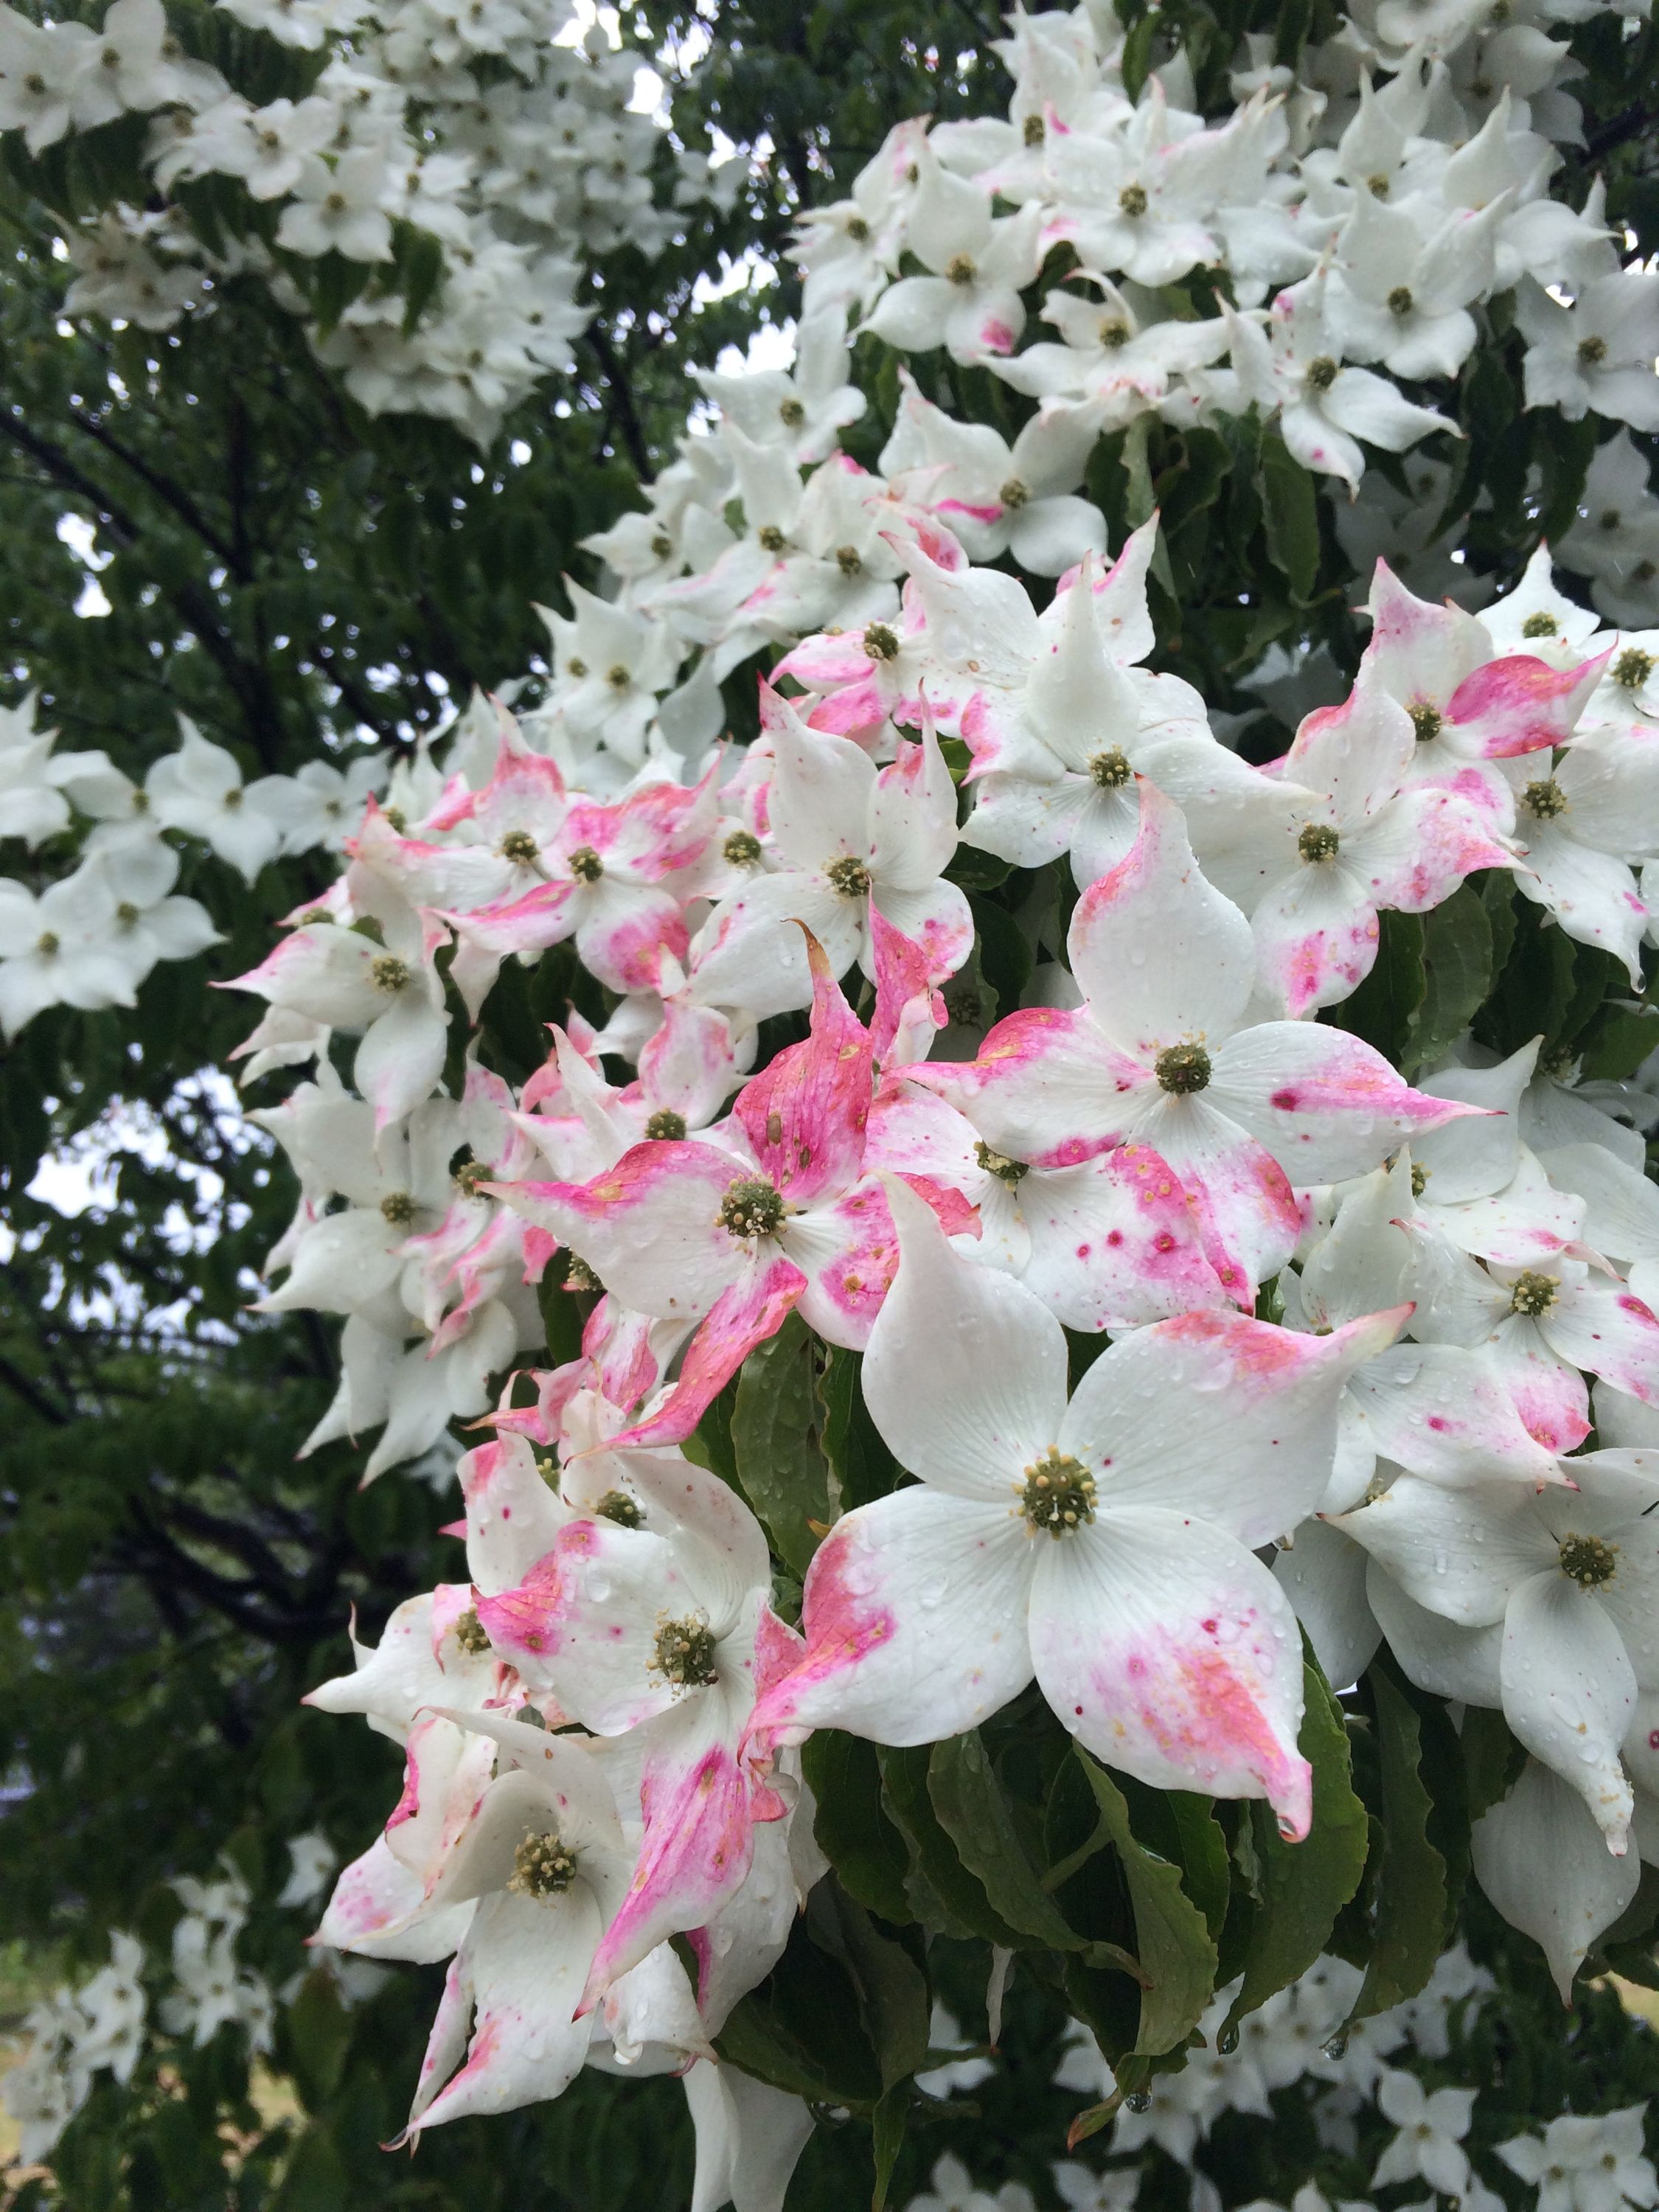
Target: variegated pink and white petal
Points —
{"points": [[513, 1518], [1049, 1089], [1594, 897], [376, 1910], [1115, 1242], [1170, 1651], [1519, 705], [1549, 1394], [846, 1249], [1354, 754], [821, 794], [625, 930], [697, 1846], [649, 1227], [1315, 936], [1159, 954], [687, 1067], [914, 1613], [909, 1008], [401, 1057], [1604, 1327], [804, 1113], [1417, 849], [752, 1308], [527, 1960], [750, 956], [1442, 1411], [584, 1622], [1325, 1104], [1461, 1554], [936, 917], [1247, 1211], [913, 817], [1229, 1420]]}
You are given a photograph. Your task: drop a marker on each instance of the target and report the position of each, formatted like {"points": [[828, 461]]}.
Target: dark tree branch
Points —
{"points": [[621, 398]]}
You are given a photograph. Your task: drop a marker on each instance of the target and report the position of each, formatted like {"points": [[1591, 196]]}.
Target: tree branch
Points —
{"points": [[626, 416]]}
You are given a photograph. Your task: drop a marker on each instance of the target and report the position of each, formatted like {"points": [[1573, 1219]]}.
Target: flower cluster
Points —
{"points": [[89, 937], [461, 161], [1394, 2095]]}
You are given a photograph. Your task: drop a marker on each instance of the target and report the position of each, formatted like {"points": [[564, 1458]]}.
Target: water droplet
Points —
{"points": [[1227, 2042], [1337, 2047], [1138, 2101]]}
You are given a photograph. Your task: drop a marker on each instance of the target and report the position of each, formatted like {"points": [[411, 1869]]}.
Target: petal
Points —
{"points": [[528, 1959], [1569, 1691], [1440, 1656], [584, 1622], [1549, 1393], [821, 790], [1518, 704], [1315, 935], [915, 1611], [913, 817], [1232, 1421], [1324, 1578], [1416, 849], [1441, 1411], [1323, 1103], [1046, 1088], [937, 918], [1460, 1553], [1246, 1208], [1542, 1824], [649, 1227], [1356, 754], [1607, 1328], [1114, 1242], [745, 1314], [1159, 953], [804, 1113], [965, 1373], [749, 956], [1592, 895], [1171, 1652]]}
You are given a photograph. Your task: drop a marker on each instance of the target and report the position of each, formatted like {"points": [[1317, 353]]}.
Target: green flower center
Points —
{"points": [[1321, 373], [850, 876], [1633, 668], [1059, 1494], [586, 864], [771, 538], [1110, 769], [1318, 841], [791, 414], [1592, 352], [960, 268], [999, 1165], [398, 1209], [1427, 721], [1134, 202], [1589, 1561], [47, 943], [1014, 493], [880, 643], [542, 1867], [579, 1276], [1400, 302], [742, 848], [685, 1654], [667, 1123], [1183, 1069], [1544, 799], [617, 676], [520, 848], [1420, 1180], [850, 559], [1541, 625], [1532, 1296], [616, 1505], [470, 1634], [389, 973], [1034, 131], [751, 1207]]}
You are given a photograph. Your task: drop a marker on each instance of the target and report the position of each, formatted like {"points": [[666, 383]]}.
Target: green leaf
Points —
{"points": [[894, 2000], [1137, 59], [1289, 508], [942, 1890], [318, 2034], [1303, 1885], [1173, 1942], [887, 2123], [1408, 1898], [1618, 1042], [1492, 1759], [1456, 977], [775, 1441], [803, 2029], [974, 1813], [860, 1464], [853, 1828], [1382, 1010]]}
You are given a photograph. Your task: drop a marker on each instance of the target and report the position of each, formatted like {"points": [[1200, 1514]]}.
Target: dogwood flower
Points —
{"points": [[1085, 1544]]}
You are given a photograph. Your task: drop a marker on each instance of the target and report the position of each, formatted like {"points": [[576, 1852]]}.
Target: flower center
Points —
{"points": [[858, 229], [1592, 352], [1321, 373], [1589, 1561], [771, 538], [470, 1634], [1182, 1068], [1544, 799], [398, 1209], [396, 820], [1378, 186], [685, 1654], [617, 676], [1318, 841], [1427, 721], [1114, 335], [126, 914], [388, 974], [1134, 202], [791, 414], [999, 1165], [1014, 493], [1034, 131], [471, 1174], [850, 876], [586, 864], [542, 1867], [1541, 625], [667, 1123], [47, 943], [1532, 1295], [520, 848], [1111, 770], [742, 848], [1059, 1494], [1420, 1179], [880, 643], [751, 1207], [616, 1505], [1400, 302], [1633, 668], [662, 545], [575, 667], [850, 559], [960, 268]]}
